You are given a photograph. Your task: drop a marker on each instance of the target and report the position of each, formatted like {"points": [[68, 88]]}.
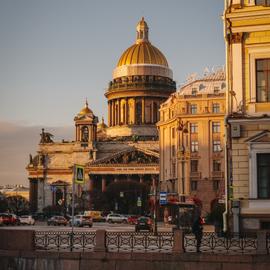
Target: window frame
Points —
{"points": [[193, 185], [194, 146], [217, 146], [216, 107], [216, 127], [193, 128], [254, 149], [193, 108]]}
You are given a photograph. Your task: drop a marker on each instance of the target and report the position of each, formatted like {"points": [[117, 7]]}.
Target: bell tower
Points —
{"points": [[86, 127]]}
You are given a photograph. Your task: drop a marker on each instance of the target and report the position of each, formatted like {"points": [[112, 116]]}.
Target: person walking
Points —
{"points": [[197, 230]]}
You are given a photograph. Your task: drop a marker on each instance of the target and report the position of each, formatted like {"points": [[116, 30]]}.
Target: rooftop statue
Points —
{"points": [[45, 137]]}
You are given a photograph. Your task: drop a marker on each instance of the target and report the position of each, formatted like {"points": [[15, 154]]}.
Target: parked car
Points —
{"points": [[9, 219], [57, 220], [132, 219], [27, 220], [81, 220], [144, 223], [116, 218]]}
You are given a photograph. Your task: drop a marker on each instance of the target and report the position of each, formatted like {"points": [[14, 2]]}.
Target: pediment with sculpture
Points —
{"points": [[133, 156]]}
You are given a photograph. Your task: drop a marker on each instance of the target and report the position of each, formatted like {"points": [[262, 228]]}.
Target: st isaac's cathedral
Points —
{"points": [[125, 151]]}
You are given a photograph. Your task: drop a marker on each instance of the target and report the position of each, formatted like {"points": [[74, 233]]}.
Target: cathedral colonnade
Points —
{"points": [[128, 111]]}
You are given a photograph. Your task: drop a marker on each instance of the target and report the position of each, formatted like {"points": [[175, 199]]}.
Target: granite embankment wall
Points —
{"points": [[17, 252]]}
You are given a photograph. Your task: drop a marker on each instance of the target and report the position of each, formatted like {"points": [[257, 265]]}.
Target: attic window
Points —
{"points": [[194, 91]]}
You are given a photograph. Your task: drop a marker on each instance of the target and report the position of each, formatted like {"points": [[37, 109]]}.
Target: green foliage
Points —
{"points": [[17, 204], [3, 203]]}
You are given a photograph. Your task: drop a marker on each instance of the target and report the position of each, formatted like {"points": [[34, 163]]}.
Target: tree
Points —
{"points": [[18, 204], [3, 203]]}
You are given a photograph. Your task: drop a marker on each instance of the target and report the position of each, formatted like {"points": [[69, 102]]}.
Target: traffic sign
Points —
{"points": [[79, 174], [162, 197]]}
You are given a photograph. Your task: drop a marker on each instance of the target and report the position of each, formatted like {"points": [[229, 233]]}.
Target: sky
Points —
{"points": [[56, 53]]}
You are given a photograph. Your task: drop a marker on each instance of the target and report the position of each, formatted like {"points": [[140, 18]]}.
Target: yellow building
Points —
{"points": [[191, 130], [247, 36]]}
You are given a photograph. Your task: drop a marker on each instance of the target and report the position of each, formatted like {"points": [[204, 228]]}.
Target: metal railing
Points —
{"points": [[139, 242], [217, 243], [65, 240], [149, 242]]}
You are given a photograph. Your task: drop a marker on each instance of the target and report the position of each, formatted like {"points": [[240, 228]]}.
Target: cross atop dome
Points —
{"points": [[142, 31]]}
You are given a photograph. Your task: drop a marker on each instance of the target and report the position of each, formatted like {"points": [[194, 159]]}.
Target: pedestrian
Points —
{"points": [[197, 230]]}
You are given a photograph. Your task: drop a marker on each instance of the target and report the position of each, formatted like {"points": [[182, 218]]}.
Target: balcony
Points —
{"points": [[217, 174], [195, 175]]}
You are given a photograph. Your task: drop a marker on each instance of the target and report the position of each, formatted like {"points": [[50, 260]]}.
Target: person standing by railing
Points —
{"points": [[197, 230]]}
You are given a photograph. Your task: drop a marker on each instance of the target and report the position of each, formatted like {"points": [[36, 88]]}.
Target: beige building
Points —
{"points": [[124, 150], [191, 129], [247, 36]]}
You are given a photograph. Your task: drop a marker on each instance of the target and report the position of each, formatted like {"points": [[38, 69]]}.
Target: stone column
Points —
{"points": [[113, 113], [152, 112], [109, 113], [91, 183], [119, 111], [103, 183], [143, 110], [127, 107], [100, 241], [178, 241]]}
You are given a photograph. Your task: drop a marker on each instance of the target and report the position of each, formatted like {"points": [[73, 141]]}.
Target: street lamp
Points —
{"points": [[182, 129]]}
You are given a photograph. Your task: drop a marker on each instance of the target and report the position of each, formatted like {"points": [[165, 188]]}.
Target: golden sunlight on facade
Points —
{"points": [[191, 130], [247, 36]]}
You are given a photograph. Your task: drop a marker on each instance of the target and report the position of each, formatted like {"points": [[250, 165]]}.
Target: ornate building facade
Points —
{"points": [[125, 150], [191, 130], [247, 36]]}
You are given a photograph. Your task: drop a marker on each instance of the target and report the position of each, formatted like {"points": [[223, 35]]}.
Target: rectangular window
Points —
{"points": [[262, 2], [173, 133], [173, 150], [216, 90], [216, 184], [216, 165], [263, 175], [193, 108], [216, 146], [194, 146], [263, 80], [193, 91], [193, 185], [216, 108], [173, 170], [216, 127], [194, 165], [193, 128]]}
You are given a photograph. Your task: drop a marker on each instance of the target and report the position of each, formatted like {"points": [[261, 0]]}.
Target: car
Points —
{"points": [[57, 220], [9, 219], [27, 220], [132, 219], [144, 223], [116, 218], [82, 220]]}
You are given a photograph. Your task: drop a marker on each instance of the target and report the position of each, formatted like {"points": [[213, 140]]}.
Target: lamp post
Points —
{"points": [[182, 129]]}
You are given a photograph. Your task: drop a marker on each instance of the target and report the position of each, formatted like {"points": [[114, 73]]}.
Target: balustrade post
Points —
{"points": [[100, 241], [261, 242], [178, 241]]}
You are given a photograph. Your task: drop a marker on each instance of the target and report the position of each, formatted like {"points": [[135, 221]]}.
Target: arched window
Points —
{"points": [[85, 134], [138, 112]]}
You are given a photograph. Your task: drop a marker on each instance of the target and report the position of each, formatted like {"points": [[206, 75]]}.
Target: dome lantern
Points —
{"points": [[142, 31]]}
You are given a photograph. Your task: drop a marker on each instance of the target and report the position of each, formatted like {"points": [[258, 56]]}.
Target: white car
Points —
{"points": [[28, 220], [81, 220], [116, 218]]}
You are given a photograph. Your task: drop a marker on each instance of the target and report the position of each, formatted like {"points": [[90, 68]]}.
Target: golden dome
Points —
{"points": [[85, 110], [143, 52]]}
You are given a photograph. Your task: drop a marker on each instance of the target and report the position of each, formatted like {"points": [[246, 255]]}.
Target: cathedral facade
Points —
{"points": [[126, 150]]}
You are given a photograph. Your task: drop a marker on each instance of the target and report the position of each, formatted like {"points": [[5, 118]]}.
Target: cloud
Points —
{"points": [[16, 143]]}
